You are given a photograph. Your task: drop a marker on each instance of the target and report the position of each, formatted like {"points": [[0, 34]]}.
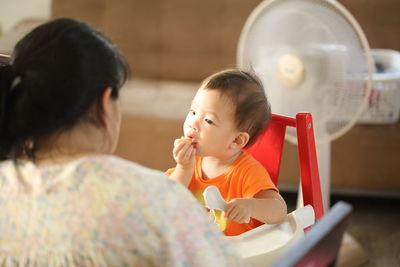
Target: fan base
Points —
{"points": [[351, 253]]}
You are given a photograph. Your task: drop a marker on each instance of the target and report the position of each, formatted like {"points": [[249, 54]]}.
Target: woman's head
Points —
{"points": [[57, 76], [252, 112]]}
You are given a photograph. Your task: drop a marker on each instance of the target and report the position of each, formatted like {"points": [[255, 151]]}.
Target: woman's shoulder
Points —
{"points": [[136, 183], [112, 166], [6, 170], [107, 173], [118, 164], [115, 169]]}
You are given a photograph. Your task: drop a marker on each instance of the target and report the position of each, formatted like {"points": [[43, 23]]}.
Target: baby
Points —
{"points": [[227, 114]]}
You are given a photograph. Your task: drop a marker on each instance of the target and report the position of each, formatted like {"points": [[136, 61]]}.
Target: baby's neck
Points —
{"points": [[213, 167]]}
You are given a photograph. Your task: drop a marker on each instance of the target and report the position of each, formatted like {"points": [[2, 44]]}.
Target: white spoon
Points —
{"points": [[214, 200]]}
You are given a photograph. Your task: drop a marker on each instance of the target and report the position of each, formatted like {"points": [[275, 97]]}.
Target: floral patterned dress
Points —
{"points": [[103, 211]]}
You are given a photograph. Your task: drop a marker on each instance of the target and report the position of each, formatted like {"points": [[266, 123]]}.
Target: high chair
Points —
{"points": [[268, 151], [265, 244], [321, 245]]}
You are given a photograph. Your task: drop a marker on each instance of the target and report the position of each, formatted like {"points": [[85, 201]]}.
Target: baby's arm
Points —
{"points": [[267, 206], [184, 154]]}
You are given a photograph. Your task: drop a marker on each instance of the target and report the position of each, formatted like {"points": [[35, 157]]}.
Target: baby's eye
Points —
{"points": [[209, 121], [192, 112]]}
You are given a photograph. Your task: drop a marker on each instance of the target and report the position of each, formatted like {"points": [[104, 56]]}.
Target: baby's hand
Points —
{"points": [[238, 210], [184, 152]]}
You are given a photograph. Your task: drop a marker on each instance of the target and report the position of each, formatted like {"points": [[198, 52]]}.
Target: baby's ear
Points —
{"points": [[241, 139]]}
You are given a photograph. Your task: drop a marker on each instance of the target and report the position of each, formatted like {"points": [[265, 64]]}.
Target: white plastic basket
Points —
{"points": [[384, 103]]}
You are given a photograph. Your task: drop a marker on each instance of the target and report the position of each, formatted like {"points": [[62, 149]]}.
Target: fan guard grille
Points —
{"points": [[333, 80]]}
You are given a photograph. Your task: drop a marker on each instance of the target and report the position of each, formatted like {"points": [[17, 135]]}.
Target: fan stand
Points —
{"points": [[291, 73], [324, 167], [290, 70]]}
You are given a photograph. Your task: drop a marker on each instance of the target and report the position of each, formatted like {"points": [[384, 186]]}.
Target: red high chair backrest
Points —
{"points": [[268, 151]]}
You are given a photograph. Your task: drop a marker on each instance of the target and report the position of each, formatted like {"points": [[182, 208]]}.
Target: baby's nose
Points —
{"points": [[193, 124]]}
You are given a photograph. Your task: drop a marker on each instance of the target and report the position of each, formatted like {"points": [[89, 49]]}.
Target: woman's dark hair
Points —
{"points": [[246, 92], [57, 73]]}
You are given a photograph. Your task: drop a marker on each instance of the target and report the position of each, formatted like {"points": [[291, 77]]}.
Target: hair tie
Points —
{"points": [[4, 60], [15, 82]]}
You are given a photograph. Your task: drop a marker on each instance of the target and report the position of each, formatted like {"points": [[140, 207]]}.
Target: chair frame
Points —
{"points": [[321, 245], [268, 150]]}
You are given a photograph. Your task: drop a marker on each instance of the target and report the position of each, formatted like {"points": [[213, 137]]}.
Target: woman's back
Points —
{"points": [[101, 211], [64, 200]]}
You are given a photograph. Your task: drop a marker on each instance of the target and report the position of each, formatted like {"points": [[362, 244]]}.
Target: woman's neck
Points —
{"points": [[213, 167], [81, 141]]}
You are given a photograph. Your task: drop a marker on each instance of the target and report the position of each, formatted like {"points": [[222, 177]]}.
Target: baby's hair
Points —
{"points": [[246, 92], [57, 73]]}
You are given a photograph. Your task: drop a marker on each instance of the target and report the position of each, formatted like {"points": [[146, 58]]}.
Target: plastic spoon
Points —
{"points": [[214, 200]]}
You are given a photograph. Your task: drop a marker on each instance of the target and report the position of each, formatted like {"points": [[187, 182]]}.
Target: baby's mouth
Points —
{"points": [[194, 142]]}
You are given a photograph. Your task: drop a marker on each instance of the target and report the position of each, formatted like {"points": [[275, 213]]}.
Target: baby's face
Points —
{"points": [[210, 123]]}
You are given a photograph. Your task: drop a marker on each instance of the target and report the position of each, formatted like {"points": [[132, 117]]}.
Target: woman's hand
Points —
{"points": [[239, 210]]}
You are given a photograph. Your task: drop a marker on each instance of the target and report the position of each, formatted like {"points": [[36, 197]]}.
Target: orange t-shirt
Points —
{"points": [[245, 178]]}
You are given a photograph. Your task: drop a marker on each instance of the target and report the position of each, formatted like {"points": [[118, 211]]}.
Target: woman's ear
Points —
{"points": [[241, 139], [105, 107]]}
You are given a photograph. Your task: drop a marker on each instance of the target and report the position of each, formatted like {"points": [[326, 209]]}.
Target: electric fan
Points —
{"points": [[311, 56]]}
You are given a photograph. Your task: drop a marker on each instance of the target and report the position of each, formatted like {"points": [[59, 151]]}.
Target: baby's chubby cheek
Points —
{"points": [[186, 131]]}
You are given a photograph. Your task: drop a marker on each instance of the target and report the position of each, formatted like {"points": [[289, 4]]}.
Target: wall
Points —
{"points": [[167, 39], [13, 11], [188, 39]]}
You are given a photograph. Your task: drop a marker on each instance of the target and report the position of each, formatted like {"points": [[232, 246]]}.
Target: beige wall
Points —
{"points": [[14, 11], [189, 39]]}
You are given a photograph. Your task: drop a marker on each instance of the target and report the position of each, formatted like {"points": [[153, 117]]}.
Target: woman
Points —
{"points": [[64, 199]]}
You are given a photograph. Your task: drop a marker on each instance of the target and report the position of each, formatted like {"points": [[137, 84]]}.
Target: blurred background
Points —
{"points": [[171, 45]]}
